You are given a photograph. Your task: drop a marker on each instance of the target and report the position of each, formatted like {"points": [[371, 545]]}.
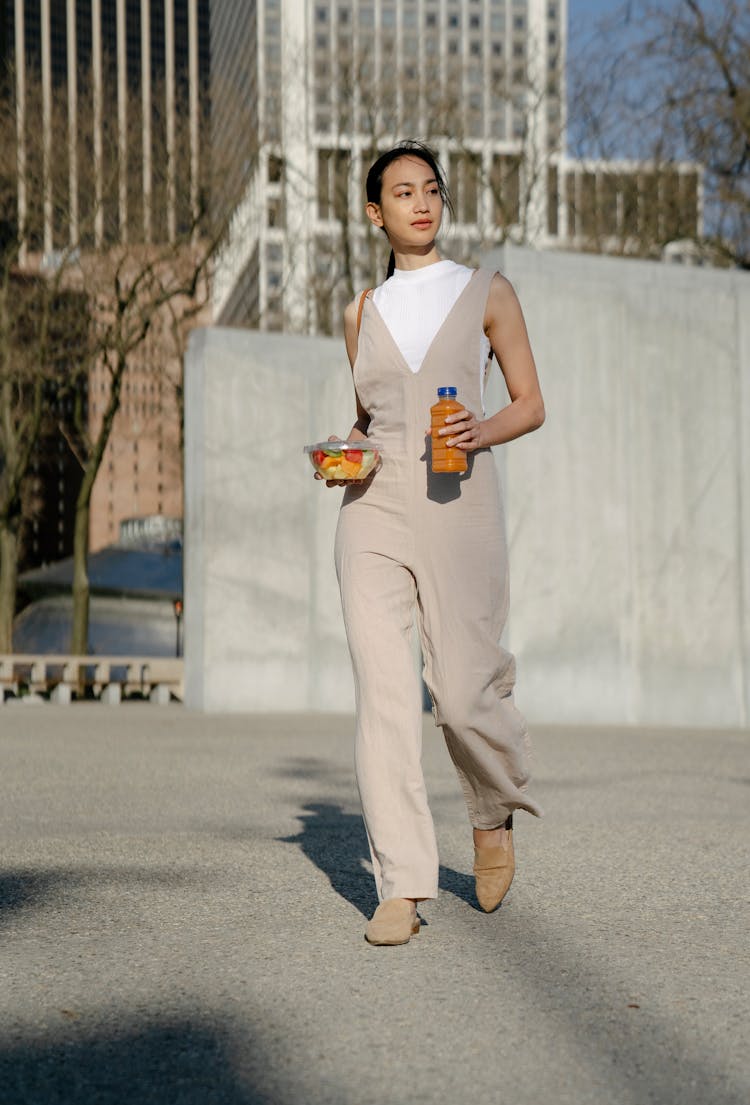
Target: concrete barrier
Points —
{"points": [[628, 513], [107, 677], [262, 615]]}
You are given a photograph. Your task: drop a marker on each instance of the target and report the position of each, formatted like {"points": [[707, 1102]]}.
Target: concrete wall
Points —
{"points": [[263, 624], [629, 512]]}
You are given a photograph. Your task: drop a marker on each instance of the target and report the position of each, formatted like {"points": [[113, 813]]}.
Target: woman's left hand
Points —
{"points": [[463, 431]]}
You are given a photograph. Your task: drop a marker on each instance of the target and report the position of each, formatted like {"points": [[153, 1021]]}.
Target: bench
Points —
{"points": [[110, 678]]}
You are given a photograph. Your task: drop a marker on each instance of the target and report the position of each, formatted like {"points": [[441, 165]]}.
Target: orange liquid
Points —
{"points": [[443, 458]]}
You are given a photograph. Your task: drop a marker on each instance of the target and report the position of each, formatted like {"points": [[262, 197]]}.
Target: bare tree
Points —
{"points": [[660, 83], [443, 102], [136, 237], [131, 292], [150, 287], [526, 95], [41, 336], [40, 327]]}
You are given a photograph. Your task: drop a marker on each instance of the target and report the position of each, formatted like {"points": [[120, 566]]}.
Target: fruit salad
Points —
{"points": [[343, 460]]}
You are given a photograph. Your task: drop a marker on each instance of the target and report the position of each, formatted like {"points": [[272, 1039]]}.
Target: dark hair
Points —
{"points": [[408, 148]]}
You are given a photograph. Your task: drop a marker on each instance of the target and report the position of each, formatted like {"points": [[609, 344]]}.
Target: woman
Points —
{"points": [[412, 543]]}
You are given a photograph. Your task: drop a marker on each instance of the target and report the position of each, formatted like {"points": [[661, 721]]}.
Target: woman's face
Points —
{"points": [[411, 206]]}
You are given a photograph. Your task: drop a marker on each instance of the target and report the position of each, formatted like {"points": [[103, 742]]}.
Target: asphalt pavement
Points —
{"points": [[183, 899]]}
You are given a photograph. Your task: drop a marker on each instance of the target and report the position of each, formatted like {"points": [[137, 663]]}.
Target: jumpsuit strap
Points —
{"points": [[361, 307]]}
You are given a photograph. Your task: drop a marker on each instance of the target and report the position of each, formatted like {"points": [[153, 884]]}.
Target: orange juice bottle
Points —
{"points": [[443, 458]]}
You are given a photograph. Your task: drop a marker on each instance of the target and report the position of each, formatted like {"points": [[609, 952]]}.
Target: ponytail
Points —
{"points": [[391, 265]]}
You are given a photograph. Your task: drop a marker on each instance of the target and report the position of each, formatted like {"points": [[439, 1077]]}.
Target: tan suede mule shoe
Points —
{"points": [[493, 871], [395, 921]]}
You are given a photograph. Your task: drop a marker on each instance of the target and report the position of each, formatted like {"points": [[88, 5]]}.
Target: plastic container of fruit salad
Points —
{"points": [[343, 460]]}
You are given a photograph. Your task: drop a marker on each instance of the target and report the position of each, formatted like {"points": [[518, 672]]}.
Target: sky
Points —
{"points": [[581, 11], [578, 9]]}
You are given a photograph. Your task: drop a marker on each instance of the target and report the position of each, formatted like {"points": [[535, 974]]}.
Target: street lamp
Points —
{"points": [[177, 604]]}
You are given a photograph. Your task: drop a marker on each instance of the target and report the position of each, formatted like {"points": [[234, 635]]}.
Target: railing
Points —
{"points": [[109, 678]]}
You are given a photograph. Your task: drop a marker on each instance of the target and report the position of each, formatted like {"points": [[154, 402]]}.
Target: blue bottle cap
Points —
{"points": [[447, 393]]}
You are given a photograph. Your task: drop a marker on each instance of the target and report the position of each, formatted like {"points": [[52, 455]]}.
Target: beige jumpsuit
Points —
{"points": [[407, 542]]}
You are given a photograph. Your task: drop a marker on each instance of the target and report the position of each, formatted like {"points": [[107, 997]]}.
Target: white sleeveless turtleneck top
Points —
{"points": [[414, 304]]}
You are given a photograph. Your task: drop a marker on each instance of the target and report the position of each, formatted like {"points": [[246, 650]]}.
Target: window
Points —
{"points": [[333, 183], [464, 181], [505, 188], [275, 212], [553, 200], [498, 127]]}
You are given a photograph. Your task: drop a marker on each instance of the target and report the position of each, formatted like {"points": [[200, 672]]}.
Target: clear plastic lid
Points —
{"points": [[447, 393], [336, 448]]}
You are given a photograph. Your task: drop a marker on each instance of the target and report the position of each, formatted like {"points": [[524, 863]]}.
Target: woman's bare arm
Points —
{"points": [[506, 329], [351, 338], [358, 431]]}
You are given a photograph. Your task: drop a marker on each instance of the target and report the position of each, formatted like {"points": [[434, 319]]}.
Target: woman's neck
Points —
{"points": [[417, 260]]}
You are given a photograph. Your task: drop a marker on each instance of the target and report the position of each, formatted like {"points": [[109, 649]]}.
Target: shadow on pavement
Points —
{"points": [[638, 1051], [459, 884], [23, 889], [162, 1064], [336, 842]]}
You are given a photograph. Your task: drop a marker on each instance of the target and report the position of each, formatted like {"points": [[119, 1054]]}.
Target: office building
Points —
{"points": [[322, 85], [305, 93], [76, 66], [111, 98]]}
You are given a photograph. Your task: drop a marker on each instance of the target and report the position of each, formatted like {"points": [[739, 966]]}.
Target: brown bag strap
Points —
{"points": [[361, 307]]}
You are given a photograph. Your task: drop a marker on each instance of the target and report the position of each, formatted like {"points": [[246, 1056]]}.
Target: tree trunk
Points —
{"points": [[8, 583], [80, 636]]}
